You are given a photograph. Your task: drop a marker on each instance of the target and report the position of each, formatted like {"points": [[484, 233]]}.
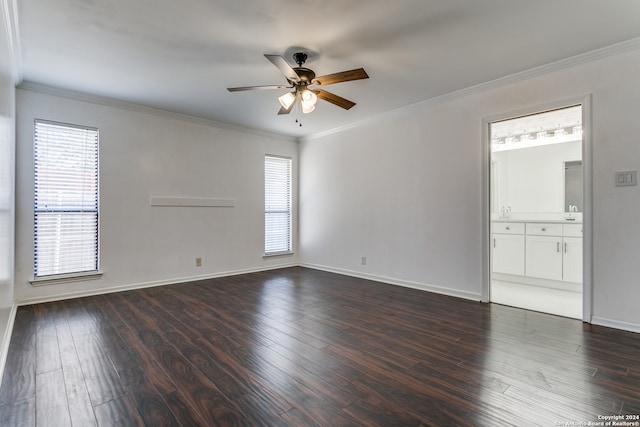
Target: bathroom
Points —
{"points": [[537, 204]]}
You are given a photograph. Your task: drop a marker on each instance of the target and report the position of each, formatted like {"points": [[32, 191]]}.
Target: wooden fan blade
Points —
{"points": [[334, 99], [239, 89], [344, 76], [284, 67]]}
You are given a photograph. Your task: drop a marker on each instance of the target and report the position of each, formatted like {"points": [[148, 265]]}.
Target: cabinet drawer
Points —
{"points": [[572, 230], [508, 227], [543, 229]]}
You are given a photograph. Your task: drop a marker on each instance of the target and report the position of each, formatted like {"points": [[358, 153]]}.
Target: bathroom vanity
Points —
{"points": [[538, 252]]}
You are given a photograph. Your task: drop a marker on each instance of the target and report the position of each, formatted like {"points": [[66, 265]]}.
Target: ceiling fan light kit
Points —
{"points": [[308, 100], [304, 82]]}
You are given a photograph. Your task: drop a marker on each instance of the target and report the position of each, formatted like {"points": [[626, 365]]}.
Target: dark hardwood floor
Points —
{"points": [[300, 347]]}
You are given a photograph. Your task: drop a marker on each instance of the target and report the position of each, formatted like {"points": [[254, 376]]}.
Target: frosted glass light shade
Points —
{"points": [[308, 101], [287, 99], [309, 97], [306, 107]]}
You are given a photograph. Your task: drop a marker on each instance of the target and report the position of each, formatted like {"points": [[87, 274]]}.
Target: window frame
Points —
{"points": [[288, 211], [79, 274]]}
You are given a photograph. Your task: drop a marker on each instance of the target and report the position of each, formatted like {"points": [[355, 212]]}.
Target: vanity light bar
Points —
{"points": [[542, 137]]}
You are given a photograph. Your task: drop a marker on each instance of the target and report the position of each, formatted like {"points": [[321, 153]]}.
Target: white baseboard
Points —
{"points": [[616, 324], [398, 282], [133, 286], [6, 338]]}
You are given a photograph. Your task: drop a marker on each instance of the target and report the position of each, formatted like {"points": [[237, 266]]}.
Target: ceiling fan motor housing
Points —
{"points": [[306, 76]]}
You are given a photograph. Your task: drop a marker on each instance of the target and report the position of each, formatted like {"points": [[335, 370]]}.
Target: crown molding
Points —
{"points": [[10, 23], [139, 108], [10, 15], [584, 58]]}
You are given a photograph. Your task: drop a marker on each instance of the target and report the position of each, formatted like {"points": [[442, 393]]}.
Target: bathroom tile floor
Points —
{"points": [[545, 300]]}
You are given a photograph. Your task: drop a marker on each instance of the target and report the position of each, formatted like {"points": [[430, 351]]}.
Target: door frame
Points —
{"points": [[587, 192]]}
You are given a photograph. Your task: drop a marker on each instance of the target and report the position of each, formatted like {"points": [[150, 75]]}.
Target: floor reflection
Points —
{"points": [[535, 368], [275, 315]]}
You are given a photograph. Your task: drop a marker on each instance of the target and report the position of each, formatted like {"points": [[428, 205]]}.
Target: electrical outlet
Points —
{"points": [[198, 262], [363, 260]]}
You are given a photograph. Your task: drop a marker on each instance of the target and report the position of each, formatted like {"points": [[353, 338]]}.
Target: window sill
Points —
{"points": [[275, 254], [65, 278]]}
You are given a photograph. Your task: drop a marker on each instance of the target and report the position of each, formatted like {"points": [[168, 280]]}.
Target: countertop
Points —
{"points": [[547, 218], [544, 221]]}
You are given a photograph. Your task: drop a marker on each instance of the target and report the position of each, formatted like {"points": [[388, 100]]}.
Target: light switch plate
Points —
{"points": [[626, 178]]}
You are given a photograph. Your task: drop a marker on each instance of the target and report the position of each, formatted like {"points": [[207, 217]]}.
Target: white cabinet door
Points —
{"points": [[508, 254], [572, 259], [544, 257]]}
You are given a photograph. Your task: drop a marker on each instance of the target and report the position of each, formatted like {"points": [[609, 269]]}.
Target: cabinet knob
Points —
{"points": [[506, 228], [544, 229]]}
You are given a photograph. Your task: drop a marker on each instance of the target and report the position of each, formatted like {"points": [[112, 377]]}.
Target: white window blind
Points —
{"points": [[66, 199], [277, 205]]}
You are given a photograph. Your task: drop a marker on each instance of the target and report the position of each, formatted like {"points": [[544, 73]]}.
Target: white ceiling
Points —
{"points": [[181, 55]]}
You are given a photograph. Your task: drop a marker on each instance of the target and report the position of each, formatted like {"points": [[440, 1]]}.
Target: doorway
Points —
{"points": [[536, 211]]}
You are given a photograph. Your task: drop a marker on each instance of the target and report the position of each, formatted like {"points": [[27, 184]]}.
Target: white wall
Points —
{"points": [[405, 192], [8, 78], [7, 155], [7, 145], [145, 153], [7, 158], [405, 189]]}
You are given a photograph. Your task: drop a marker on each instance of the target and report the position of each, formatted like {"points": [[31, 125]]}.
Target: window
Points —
{"points": [[277, 205], [66, 199]]}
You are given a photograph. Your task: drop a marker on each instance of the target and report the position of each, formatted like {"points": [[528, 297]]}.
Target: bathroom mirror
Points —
{"points": [[573, 186], [536, 163], [534, 180]]}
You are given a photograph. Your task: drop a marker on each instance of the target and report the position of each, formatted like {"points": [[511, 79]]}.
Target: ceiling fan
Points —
{"points": [[304, 83]]}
